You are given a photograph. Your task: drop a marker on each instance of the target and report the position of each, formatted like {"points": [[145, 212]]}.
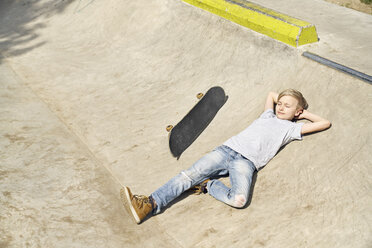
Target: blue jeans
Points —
{"points": [[221, 161]]}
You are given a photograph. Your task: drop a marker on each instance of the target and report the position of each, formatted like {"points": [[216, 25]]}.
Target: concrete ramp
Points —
{"points": [[87, 89]]}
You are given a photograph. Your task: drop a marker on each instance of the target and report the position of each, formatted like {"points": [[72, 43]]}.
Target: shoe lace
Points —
{"points": [[141, 199]]}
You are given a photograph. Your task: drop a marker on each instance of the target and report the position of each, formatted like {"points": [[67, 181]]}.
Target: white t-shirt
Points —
{"points": [[261, 140]]}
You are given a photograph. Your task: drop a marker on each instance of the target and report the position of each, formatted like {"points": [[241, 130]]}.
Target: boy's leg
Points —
{"points": [[211, 164], [241, 172]]}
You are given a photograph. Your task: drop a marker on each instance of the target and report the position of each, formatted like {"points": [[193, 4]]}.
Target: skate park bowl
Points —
{"points": [[88, 87]]}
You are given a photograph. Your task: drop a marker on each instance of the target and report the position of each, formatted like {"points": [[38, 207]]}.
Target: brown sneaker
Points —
{"points": [[138, 205], [200, 188]]}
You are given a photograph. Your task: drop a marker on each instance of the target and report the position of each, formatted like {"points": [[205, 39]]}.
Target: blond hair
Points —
{"points": [[302, 103]]}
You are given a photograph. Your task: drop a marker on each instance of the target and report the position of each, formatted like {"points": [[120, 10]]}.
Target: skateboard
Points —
{"points": [[193, 124]]}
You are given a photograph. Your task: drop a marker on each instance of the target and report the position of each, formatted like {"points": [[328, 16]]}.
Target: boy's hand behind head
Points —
{"points": [[302, 114]]}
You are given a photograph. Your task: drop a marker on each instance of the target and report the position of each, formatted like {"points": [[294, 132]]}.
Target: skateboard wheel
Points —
{"points": [[199, 95], [169, 128]]}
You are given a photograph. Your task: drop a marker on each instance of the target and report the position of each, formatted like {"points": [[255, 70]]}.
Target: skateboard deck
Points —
{"points": [[193, 124]]}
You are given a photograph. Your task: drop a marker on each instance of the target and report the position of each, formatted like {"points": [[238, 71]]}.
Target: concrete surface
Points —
{"points": [[88, 87], [344, 33]]}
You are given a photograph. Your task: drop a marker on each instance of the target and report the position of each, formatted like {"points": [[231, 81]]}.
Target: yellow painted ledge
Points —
{"points": [[281, 27]]}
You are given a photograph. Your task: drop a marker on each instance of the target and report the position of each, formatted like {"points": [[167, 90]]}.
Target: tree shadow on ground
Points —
{"points": [[21, 23]]}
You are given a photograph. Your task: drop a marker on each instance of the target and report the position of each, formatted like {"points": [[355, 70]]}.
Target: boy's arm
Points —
{"points": [[271, 99], [317, 123]]}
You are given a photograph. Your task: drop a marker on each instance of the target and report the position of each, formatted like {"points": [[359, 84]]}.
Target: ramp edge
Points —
{"points": [[289, 30], [362, 76]]}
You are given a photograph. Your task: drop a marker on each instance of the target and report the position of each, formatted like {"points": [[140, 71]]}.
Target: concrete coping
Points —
{"points": [[290, 30]]}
